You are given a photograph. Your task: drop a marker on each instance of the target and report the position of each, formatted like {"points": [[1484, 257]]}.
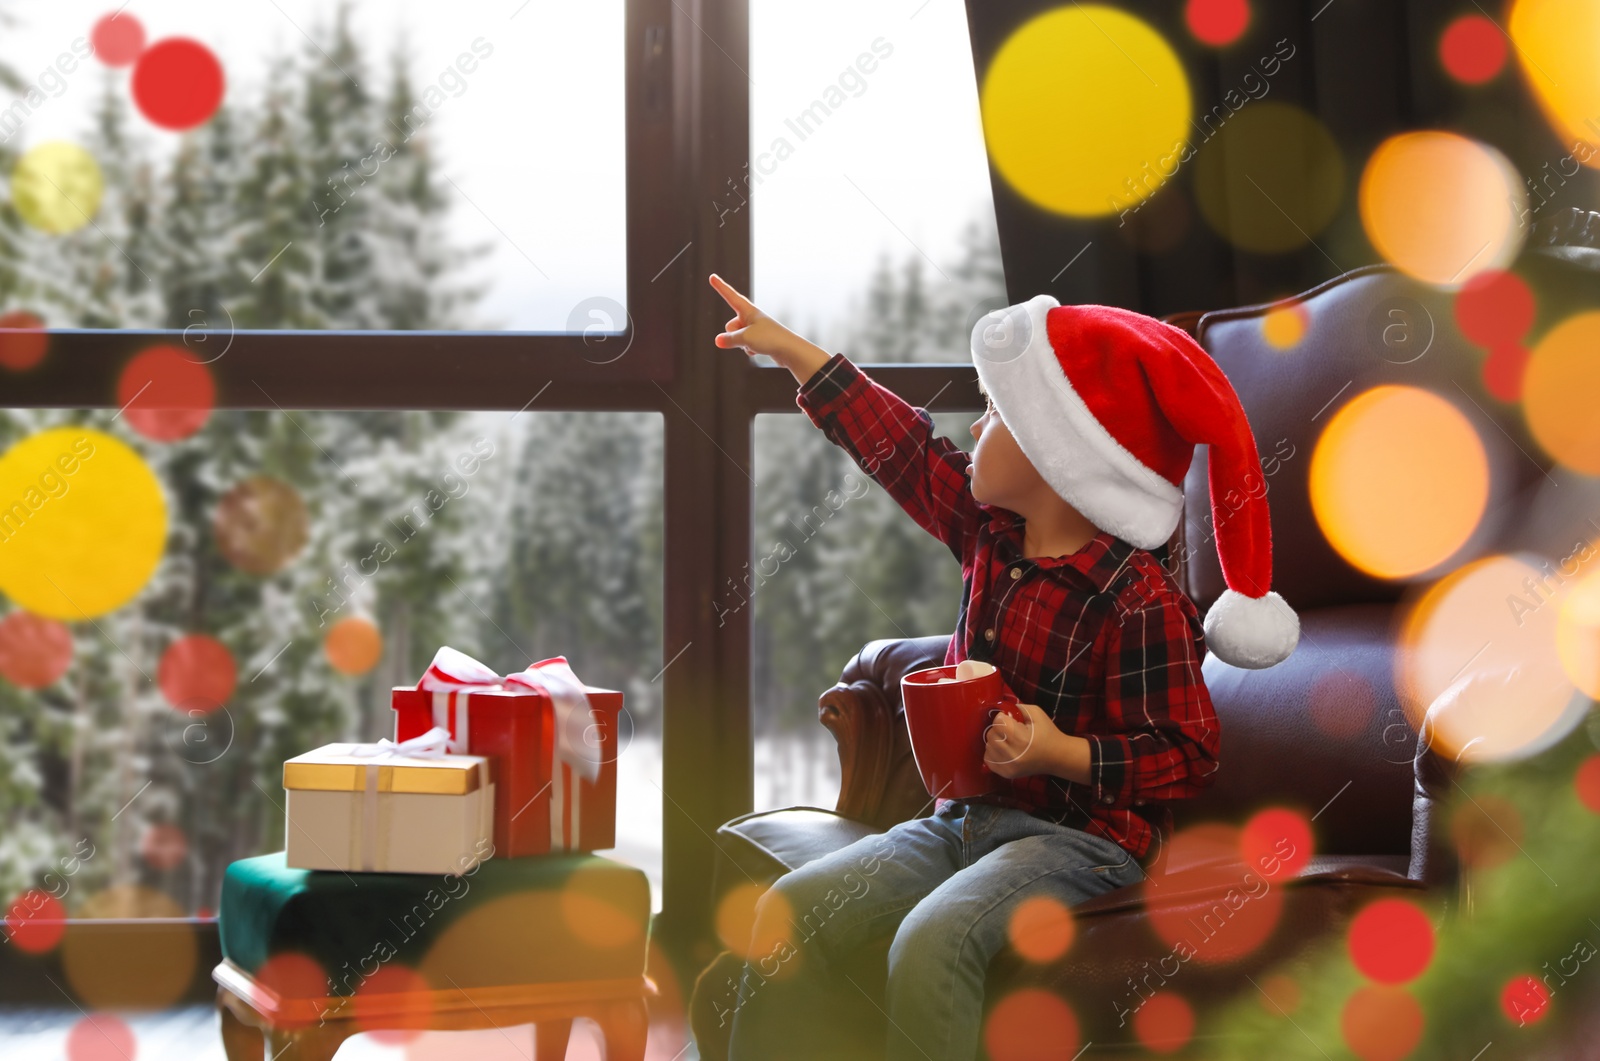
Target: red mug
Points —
{"points": [[946, 723]]}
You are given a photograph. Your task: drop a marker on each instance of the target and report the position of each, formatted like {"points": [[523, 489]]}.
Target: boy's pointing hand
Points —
{"points": [[756, 333]]}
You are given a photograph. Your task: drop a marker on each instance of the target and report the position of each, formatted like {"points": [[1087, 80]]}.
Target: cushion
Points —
{"points": [[511, 921], [763, 846]]}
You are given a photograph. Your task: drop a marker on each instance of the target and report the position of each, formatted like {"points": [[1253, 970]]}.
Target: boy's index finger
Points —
{"points": [[729, 295]]}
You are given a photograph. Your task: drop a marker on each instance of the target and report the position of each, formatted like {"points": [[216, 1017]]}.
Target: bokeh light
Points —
{"points": [[736, 918], [1441, 207], [1494, 308], [178, 83], [1073, 159], [390, 1021], [82, 520], [1217, 22], [1041, 928], [1472, 49], [1525, 1000], [592, 916], [1230, 909], [1280, 993], [353, 646], [56, 187], [35, 921], [1586, 783], [1399, 480], [1276, 842], [106, 971], [1342, 703], [1562, 378], [1381, 1023], [197, 673], [117, 38], [34, 651], [1284, 326], [163, 846], [1558, 44], [260, 524], [101, 1037], [26, 346], [1486, 831], [1273, 180], [1504, 370], [1030, 1024], [1391, 941], [1164, 1023], [1578, 633], [291, 975], [164, 395], [1484, 636]]}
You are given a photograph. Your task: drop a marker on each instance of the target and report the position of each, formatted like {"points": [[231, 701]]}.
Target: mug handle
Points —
{"points": [[1006, 703]]}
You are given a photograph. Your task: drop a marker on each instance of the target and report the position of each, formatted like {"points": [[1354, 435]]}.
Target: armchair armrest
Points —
{"points": [[878, 779]]}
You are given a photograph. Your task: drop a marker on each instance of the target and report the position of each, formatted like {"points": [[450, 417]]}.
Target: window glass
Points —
{"points": [[239, 591], [385, 164], [871, 212]]}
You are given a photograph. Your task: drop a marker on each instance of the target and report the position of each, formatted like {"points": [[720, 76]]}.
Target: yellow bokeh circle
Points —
{"points": [[1274, 179], [1399, 481], [82, 523], [1441, 207], [57, 187], [1558, 393], [1284, 326], [142, 966], [1085, 110], [1558, 44], [1578, 633], [1482, 644]]}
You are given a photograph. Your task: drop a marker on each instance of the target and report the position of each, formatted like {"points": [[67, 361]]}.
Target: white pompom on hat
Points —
{"points": [[1109, 404]]}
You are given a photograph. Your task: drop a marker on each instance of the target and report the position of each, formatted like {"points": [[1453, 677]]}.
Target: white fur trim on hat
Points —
{"points": [[1072, 451], [1251, 632]]}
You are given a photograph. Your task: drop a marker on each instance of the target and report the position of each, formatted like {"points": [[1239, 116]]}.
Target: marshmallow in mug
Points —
{"points": [[967, 670]]}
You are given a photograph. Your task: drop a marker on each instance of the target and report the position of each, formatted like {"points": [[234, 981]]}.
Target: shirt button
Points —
{"points": [[988, 635], [1016, 573], [1108, 798]]}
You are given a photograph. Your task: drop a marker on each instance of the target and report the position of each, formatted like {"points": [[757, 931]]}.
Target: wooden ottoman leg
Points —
{"points": [[625, 1025], [240, 1042], [550, 1039]]}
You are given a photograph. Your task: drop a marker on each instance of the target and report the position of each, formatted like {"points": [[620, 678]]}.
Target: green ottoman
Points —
{"points": [[311, 957]]}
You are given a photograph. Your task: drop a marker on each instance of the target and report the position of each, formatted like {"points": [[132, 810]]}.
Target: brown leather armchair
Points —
{"points": [[1322, 732]]}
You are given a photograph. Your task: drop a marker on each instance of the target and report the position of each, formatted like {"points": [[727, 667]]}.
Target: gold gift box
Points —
{"points": [[326, 770]]}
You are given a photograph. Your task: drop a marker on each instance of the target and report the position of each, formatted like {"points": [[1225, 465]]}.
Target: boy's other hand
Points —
{"points": [[1012, 749], [757, 333]]}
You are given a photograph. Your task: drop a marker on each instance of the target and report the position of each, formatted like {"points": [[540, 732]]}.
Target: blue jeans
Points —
{"points": [[945, 886]]}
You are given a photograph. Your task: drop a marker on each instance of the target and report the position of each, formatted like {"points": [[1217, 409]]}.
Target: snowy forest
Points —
{"points": [[552, 546]]}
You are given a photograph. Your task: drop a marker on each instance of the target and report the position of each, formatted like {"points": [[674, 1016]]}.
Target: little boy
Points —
{"points": [[1076, 474]]}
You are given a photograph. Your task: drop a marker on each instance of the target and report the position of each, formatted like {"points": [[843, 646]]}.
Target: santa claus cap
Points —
{"points": [[1109, 404]]}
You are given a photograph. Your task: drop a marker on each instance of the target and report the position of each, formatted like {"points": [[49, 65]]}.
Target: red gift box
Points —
{"points": [[551, 794]]}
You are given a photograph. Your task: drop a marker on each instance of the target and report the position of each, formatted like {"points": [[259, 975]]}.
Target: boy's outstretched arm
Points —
{"points": [[892, 441]]}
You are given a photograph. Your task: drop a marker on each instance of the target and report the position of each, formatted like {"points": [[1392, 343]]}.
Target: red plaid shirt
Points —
{"points": [[1102, 640]]}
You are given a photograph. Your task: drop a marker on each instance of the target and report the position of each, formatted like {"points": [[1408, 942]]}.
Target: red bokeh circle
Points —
{"points": [[388, 1023], [1217, 22], [1391, 941], [1165, 1023], [34, 650], [1587, 783], [1381, 1023], [35, 922], [164, 395], [1472, 49], [21, 350], [1503, 371], [1495, 308], [1276, 842], [1525, 1000], [178, 83], [197, 673], [1031, 1023], [117, 38], [293, 976], [101, 1037]]}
